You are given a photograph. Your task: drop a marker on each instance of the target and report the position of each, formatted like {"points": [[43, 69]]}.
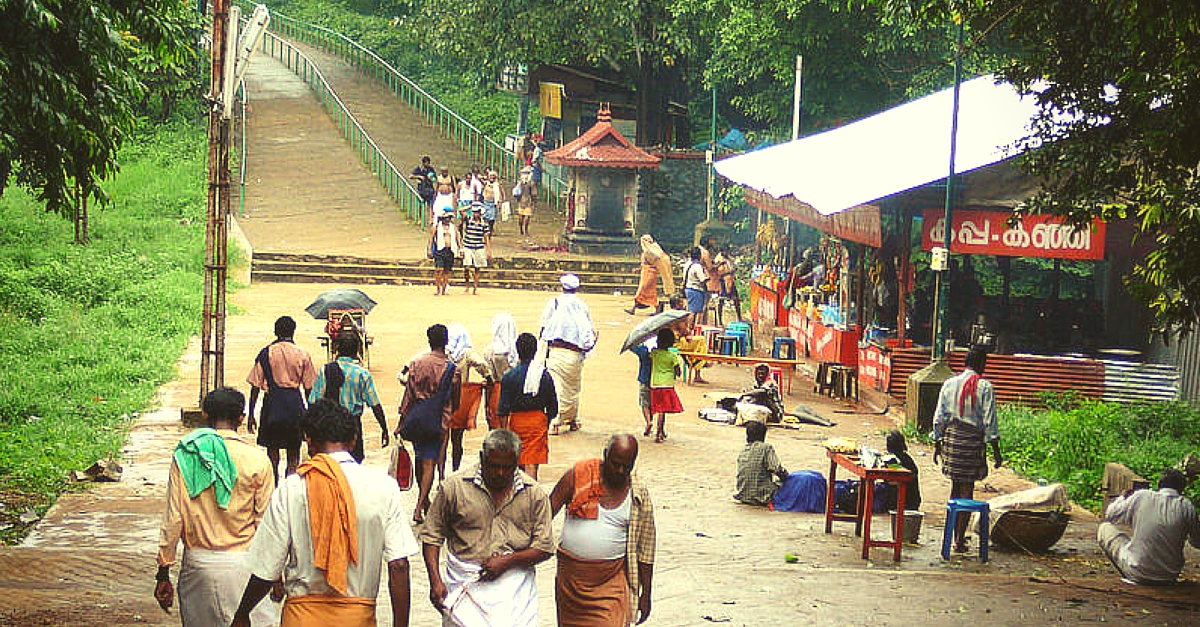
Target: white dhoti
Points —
{"points": [[566, 368], [210, 588], [509, 601]]}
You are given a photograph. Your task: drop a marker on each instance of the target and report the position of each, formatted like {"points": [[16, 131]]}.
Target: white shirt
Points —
{"points": [[979, 412], [283, 544], [599, 538], [1162, 521], [694, 277], [567, 318]]}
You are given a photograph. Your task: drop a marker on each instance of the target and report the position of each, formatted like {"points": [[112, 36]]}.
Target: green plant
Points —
{"points": [[1071, 439], [87, 334]]}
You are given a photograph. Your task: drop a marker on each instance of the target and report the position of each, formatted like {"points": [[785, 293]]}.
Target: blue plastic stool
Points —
{"points": [[785, 348], [966, 506], [740, 336], [744, 327]]}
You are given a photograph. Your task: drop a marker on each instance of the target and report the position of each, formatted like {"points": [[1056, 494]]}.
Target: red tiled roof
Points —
{"points": [[602, 146]]}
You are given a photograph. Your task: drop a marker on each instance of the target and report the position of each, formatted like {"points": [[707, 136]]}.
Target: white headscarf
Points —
{"points": [[459, 341], [504, 337], [533, 376]]}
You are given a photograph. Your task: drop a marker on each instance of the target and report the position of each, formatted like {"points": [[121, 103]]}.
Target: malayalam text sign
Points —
{"points": [[990, 233]]}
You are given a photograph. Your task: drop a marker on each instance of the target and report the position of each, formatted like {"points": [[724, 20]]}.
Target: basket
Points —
{"points": [[1030, 531]]}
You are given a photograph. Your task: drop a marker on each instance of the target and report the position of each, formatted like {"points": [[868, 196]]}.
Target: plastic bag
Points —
{"points": [[505, 211], [401, 465]]}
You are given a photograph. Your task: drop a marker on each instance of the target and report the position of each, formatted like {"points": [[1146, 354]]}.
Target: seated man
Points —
{"points": [[765, 393], [759, 473], [1162, 521]]}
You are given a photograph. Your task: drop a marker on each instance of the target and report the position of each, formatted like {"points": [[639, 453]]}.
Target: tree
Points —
{"points": [[1126, 74], [639, 40], [70, 85]]}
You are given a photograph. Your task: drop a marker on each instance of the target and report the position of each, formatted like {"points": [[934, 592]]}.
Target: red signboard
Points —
{"points": [[874, 367], [858, 224], [989, 233]]}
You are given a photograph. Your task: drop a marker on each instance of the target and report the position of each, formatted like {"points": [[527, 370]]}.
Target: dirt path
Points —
{"points": [[90, 562]]}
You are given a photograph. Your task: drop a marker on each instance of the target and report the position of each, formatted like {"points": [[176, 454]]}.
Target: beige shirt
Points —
{"points": [[291, 367], [200, 523], [283, 546], [465, 518]]}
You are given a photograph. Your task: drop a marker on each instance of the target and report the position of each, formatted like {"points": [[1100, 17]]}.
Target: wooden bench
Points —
{"points": [[788, 366]]}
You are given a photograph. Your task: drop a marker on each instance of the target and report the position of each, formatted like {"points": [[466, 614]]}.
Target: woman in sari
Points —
{"points": [[656, 264]]}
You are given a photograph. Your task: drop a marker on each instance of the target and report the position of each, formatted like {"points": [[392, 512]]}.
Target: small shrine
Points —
{"points": [[602, 169]]}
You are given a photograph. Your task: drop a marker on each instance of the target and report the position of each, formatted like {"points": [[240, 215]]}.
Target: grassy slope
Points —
{"points": [[88, 333]]}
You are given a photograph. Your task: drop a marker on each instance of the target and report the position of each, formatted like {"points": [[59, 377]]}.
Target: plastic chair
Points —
{"points": [[776, 373], [743, 337], [785, 348], [727, 344], [967, 506]]}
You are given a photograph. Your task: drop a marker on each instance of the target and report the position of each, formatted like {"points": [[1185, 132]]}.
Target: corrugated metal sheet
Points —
{"points": [[1016, 379], [1126, 382], [1187, 360]]}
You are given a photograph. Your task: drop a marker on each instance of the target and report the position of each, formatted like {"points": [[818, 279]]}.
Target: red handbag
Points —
{"points": [[402, 466]]}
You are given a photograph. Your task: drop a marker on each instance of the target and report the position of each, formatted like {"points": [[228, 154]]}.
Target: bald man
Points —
{"points": [[606, 551]]}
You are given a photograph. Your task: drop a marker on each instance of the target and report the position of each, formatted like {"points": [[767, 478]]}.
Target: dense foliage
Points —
{"points": [[75, 74], [1070, 443], [87, 334]]}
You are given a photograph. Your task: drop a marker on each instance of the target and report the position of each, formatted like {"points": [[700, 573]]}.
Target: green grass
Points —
{"points": [[88, 333], [1070, 442]]}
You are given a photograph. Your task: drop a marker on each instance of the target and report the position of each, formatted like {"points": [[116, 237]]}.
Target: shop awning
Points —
{"points": [[896, 150]]}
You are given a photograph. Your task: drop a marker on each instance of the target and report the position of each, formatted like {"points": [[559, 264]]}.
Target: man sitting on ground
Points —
{"points": [[765, 393], [1162, 522], [759, 473]]}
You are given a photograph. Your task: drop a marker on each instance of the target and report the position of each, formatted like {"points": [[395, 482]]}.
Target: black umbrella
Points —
{"points": [[342, 298], [650, 326]]}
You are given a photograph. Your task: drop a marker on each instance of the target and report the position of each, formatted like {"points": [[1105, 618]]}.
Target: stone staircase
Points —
{"points": [[527, 273]]}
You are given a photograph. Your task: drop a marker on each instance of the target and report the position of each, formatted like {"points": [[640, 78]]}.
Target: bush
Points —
{"points": [[1070, 442]]}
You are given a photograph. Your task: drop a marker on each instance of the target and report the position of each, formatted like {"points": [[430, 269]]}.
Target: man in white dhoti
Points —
{"points": [[495, 522], [216, 495], [569, 334]]}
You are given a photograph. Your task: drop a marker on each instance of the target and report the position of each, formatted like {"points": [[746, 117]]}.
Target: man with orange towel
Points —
{"points": [[327, 531]]}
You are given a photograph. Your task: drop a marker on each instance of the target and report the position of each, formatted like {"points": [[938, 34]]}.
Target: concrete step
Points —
{"points": [[485, 280], [597, 276]]}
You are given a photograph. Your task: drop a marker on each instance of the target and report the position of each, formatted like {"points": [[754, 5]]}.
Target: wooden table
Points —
{"points": [[866, 500], [787, 365]]}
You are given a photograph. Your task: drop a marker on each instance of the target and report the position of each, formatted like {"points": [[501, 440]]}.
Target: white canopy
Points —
{"points": [[891, 151]]}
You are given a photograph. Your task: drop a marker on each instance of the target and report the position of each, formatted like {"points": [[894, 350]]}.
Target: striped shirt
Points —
{"points": [[358, 392], [473, 234]]}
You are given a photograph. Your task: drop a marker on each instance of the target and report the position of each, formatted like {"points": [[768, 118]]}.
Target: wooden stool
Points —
{"points": [[843, 381], [824, 378]]}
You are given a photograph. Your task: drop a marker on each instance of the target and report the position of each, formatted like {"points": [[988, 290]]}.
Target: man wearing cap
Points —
{"points": [[569, 333], [477, 246]]}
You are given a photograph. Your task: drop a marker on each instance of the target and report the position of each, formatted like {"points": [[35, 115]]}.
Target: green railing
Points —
{"points": [[449, 124], [393, 179]]}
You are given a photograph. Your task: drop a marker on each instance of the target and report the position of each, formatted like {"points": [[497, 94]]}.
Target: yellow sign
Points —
{"points": [[550, 100]]}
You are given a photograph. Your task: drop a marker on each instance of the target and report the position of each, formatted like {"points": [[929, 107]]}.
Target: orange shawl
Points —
{"points": [[331, 518], [589, 487]]}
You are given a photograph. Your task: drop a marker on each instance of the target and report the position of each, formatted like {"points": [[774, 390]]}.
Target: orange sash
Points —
{"points": [[332, 520], [318, 610], [588, 489]]}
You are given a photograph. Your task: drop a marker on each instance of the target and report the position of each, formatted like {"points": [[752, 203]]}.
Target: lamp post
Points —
{"points": [[943, 282]]}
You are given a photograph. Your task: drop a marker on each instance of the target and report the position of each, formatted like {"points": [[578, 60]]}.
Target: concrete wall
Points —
{"points": [[671, 201]]}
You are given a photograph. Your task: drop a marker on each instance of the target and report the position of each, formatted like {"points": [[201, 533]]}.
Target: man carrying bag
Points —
{"points": [[425, 410]]}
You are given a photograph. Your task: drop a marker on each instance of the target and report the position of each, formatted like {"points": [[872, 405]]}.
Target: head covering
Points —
{"points": [[651, 251], [459, 341], [533, 375], [504, 337], [569, 281]]}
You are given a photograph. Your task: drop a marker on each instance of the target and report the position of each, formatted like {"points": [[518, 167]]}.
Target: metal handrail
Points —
{"points": [[395, 182], [449, 124]]}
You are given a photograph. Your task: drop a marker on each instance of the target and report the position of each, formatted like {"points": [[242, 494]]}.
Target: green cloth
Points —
{"points": [[204, 461]]}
